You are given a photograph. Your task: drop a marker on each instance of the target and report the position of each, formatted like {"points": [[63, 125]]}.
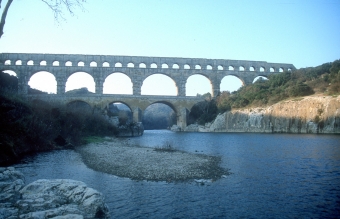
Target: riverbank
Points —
{"points": [[119, 157]]}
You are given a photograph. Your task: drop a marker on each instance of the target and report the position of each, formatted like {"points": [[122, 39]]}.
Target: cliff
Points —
{"points": [[312, 114]]}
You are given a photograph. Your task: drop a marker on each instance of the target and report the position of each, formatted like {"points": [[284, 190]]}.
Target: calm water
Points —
{"points": [[273, 176]]}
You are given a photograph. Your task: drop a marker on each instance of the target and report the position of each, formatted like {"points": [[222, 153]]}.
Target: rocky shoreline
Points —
{"points": [[120, 158], [58, 199]]}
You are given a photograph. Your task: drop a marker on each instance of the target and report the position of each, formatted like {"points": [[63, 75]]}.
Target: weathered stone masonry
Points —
{"points": [[137, 68]]}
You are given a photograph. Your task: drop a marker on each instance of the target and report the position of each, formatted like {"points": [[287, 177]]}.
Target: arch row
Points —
{"points": [[137, 78], [180, 105], [140, 62]]}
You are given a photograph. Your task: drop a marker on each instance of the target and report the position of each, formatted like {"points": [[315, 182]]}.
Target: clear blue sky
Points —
{"points": [[302, 32]]}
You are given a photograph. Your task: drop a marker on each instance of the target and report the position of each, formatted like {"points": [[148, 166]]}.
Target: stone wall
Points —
{"points": [[316, 114]]}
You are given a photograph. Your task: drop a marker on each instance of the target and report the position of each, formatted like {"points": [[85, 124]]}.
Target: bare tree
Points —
{"points": [[57, 7]]}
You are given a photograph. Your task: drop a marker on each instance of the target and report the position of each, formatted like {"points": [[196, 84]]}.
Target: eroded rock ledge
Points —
{"points": [[119, 158], [59, 198]]}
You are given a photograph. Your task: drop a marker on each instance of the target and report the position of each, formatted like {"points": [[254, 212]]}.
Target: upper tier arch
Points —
{"points": [[215, 69]]}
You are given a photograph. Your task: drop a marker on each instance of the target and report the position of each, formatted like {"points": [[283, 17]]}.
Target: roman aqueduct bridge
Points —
{"points": [[137, 68]]}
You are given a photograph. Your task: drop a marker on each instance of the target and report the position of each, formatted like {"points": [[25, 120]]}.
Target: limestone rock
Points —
{"points": [[59, 198], [175, 128]]}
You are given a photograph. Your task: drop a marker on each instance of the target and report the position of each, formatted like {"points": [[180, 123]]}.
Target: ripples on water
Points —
{"points": [[273, 176]]}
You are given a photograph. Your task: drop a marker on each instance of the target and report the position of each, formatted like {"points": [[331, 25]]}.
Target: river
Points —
{"points": [[272, 176]]}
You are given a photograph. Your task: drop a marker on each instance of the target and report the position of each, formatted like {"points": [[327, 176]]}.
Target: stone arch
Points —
{"points": [[260, 77], [43, 63], [241, 68], [130, 65], [164, 65], [55, 63], [81, 64], [220, 67], [251, 68], [106, 64], [272, 69], [142, 65], [18, 62], [30, 62], [186, 66], [93, 64], [79, 105], [165, 119], [159, 84], [7, 62], [198, 84], [118, 65], [80, 79], [175, 66], [209, 67], [44, 81], [10, 72], [153, 65], [231, 83], [68, 63], [231, 68], [121, 110], [198, 67], [262, 69], [281, 69], [117, 83]]}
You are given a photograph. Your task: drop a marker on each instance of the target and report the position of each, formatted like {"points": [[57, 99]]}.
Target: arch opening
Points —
{"points": [[18, 62], [142, 65], [153, 65], [93, 64], [164, 65], [230, 83], [259, 79], [198, 85], [159, 84], [241, 68], [7, 62], [121, 112], [220, 67], [118, 65], [281, 69], [130, 65], [30, 62], [197, 67], [106, 64], [80, 82], [231, 68], [175, 66], [82, 64], [68, 63], [186, 66], [10, 72], [262, 69], [209, 67], [43, 63], [272, 69], [251, 68], [55, 63], [43, 81], [117, 83], [159, 115]]}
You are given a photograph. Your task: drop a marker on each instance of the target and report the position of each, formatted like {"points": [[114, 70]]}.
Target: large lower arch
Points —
{"points": [[260, 78], [121, 111], [230, 83], [159, 84], [159, 115], [198, 84], [43, 81], [79, 106], [117, 83], [79, 80]]}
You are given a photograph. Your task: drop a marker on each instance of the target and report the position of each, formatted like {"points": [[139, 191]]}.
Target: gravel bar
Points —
{"points": [[118, 157]]}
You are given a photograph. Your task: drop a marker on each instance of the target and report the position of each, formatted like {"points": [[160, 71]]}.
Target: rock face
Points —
{"points": [[60, 198], [304, 115]]}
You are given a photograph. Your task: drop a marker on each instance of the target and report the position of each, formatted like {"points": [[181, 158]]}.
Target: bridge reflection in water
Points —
{"points": [[137, 68]]}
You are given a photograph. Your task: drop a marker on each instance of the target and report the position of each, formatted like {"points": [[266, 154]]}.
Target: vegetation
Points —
{"points": [[323, 79], [31, 126]]}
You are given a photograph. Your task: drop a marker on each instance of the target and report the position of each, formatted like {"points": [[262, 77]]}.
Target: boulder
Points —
{"points": [[58, 198]]}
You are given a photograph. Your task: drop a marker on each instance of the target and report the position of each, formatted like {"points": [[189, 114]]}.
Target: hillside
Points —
{"points": [[322, 80]]}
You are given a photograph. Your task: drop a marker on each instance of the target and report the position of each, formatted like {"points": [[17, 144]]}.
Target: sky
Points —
{"points": [[305, 33]]}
